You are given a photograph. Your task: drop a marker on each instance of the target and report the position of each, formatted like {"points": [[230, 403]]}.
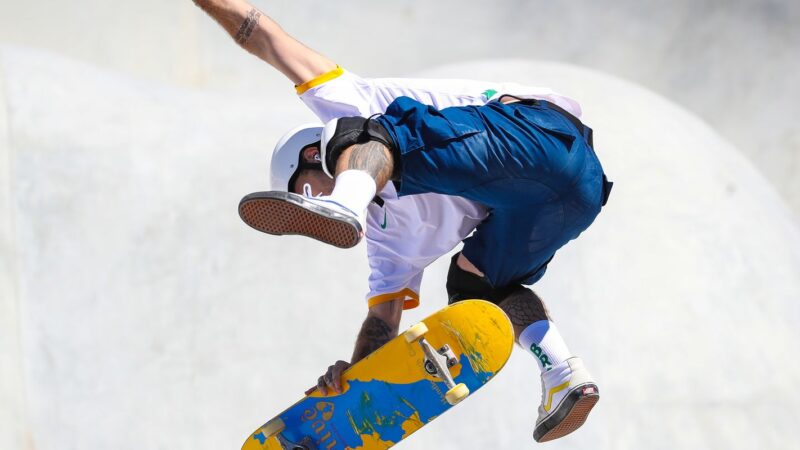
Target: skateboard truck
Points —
{"points": [[448, 357], [438, 362]]}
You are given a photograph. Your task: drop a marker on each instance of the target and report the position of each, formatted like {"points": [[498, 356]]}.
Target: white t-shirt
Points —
{"points": [[408, 233]]}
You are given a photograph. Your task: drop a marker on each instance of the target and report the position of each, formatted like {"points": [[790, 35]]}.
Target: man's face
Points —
{"points": [[318, 183]]}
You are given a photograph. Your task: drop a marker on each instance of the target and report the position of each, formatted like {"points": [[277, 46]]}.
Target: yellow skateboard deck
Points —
{"points": [[400, 387]]}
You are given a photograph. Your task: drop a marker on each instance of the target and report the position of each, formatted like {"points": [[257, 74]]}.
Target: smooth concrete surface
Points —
{"points": [[732, 62], [138, 312], [151, 317], [14, 429]]}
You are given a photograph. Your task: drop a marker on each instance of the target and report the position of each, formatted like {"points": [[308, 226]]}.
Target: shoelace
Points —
{"points": [[307, 192]]}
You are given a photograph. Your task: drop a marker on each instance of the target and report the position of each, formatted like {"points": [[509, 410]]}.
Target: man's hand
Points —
{"points": [[332, 379], [381, 325]]}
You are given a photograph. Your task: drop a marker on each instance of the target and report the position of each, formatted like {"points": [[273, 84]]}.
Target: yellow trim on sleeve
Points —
{"points": [[316, 81], [411, 298]]}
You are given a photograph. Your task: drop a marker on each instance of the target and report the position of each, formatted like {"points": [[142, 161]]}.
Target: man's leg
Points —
{"points": [[568, 391], [337, 218]]}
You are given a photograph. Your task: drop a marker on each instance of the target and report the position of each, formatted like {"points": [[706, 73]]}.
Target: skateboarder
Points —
{"points": [[520, 172]]}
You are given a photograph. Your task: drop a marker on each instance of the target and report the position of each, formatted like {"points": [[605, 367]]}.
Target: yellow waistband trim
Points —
{"points": [[411, 298], [316, 81]]}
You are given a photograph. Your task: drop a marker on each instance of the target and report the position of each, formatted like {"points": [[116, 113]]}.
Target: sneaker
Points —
{"points": [[568, 395], [280, 213]]}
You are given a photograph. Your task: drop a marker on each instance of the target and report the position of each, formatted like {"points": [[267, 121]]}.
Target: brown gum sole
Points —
{"points": [[574, 420], [280, 218]]}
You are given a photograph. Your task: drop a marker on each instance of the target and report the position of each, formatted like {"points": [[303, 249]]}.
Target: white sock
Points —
{"points": [[354, 190], [544, 342]]}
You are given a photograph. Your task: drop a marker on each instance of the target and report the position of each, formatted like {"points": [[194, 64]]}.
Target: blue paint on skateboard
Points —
{"points": [[339, 421]]}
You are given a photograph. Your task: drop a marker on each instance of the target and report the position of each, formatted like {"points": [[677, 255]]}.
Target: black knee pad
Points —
{"points": [[463, 285]]}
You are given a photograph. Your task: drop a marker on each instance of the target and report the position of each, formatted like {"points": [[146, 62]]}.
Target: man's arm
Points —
{"points": [[381, 326], [263, 37]]}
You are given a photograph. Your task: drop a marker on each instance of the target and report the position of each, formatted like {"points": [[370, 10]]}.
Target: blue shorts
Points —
{"points": [[531, 164]]}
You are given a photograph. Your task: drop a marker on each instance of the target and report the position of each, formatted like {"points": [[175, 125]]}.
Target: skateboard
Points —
{"points": [[400, 387]]}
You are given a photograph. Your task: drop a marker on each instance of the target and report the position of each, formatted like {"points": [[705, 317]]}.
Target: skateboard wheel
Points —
{"points": [[273, 427], [458, 393], [415, 332]]}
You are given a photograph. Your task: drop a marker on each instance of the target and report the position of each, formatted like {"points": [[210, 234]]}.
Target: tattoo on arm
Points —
{"points": [[374, 333], [249, 24], [371, 157]]}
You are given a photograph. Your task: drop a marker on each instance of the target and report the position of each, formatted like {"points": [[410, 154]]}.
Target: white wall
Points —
{"points": [[134, 303], [13, 409], [733, 62], [152, 317]]}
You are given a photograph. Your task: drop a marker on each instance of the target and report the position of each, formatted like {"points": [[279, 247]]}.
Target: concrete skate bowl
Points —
{"points": [[733, 63], [139, 313]]}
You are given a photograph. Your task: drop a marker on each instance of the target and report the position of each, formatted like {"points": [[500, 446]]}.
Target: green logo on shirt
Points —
{"points": [[383, 225], [489, 93]]}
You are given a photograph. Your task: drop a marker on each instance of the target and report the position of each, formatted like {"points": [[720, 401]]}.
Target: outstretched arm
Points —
{"points": [[263, 37], [381, 326]]}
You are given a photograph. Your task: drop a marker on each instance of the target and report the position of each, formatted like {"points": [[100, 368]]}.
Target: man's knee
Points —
{"points": [[521, 304], [463, 285]]}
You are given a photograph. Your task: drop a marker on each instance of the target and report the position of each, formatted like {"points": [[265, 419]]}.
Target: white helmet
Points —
{"points": [[286, 156]]}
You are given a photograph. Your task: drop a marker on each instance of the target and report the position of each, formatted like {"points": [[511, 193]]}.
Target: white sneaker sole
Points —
{"points": [[284, 213]]}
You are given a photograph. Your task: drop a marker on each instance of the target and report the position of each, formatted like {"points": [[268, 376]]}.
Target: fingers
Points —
{"points": [[336, 377], [332, 380], [322, 387]]}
